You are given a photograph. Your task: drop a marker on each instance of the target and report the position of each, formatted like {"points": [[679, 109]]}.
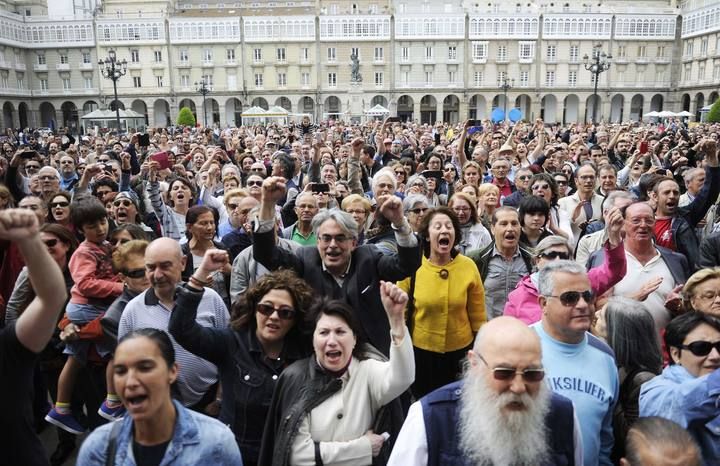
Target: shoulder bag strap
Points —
{"points": [[112, 443]]}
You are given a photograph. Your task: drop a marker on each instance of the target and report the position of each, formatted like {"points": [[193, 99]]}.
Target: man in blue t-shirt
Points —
{"points": [[577, 365]]}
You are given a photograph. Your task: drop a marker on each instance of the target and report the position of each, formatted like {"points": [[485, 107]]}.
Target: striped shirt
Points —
{"points": [[173, 223], [196, 375]]}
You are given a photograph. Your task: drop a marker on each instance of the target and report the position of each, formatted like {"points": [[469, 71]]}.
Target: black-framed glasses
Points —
{"points": [[702, 348], [285, 313], [59, 204], [449, 169], [254, 183], [524, 177], [506, 374], [571, 298], [51, 243], [134, 273], [552, 255], [419, 210], [540, 186], [123, 202]]}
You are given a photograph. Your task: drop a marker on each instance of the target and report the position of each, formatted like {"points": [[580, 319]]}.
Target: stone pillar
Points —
{"points": [[416, 109], [463, 111], [438, 111]]}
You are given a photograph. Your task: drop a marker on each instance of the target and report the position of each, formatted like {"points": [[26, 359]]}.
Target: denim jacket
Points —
{"points": [[692, 402], [197, 439]]}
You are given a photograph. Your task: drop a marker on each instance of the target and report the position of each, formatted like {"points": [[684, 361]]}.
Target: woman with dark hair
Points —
{"points": [[264, 337], [629, 329], [326, 408], [61, 244], [158, 429], [543, 185], [687, 390], [125, 233], [473, 234], [181, 195], [447, 304], [201, 230], [59, 209], [534, 213]]}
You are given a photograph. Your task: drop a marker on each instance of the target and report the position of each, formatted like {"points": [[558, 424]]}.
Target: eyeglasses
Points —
{"points": [[51, 243], [400, 172], [419, 210], [123, 202], [461, 209], [506, 374], [709, 295], [134, 273], [285, 313], [555, 255], [356, 211], [702, 348], [571, 298], [254, 183], [449, 169], [540, 186], [67, 162], [561, 182], [47, 177], [327, 239], [59, 204], [524, 177]]}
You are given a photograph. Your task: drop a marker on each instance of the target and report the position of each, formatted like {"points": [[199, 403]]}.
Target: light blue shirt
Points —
{"points": [[693, 402], [197, 439], [586, 374]]}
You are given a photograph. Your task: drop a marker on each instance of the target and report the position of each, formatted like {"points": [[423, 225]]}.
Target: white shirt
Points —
{"points": [[637, 275], [410, 448]]}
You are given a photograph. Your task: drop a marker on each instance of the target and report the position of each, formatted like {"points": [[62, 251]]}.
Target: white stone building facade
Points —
{"points": [[424, 60]]}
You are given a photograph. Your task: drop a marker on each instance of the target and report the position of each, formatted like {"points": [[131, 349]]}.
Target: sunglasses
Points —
{"points": [[419, 210], [449, 169], [134, 273], [51, 243], [506, 374], [524, 177], [122, 202], [555, 255], [702, 348], [255, 183], [571, 298], [285, 313], [59, 204], [400, 172]]}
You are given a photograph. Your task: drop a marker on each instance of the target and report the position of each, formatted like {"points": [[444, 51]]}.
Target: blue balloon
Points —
{"points": [[515, 115], [497, 115]]}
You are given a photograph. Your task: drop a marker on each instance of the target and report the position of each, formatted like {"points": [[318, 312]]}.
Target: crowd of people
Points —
{"points": [[379, 293]]}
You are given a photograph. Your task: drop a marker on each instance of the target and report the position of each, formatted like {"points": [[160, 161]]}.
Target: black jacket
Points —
{"points": [[247, 377], [710, 251], [361, 285], [302, 387]]}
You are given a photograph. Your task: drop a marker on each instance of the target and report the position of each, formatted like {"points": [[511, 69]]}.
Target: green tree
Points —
{"points": [[185, 117], [714, 113]]}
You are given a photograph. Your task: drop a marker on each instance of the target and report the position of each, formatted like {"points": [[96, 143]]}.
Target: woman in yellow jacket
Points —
{"points": [[448, 303]]}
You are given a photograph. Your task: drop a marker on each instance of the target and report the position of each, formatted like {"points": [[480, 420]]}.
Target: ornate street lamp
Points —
{"points": [[599, 63], [113, 69], [506, 85], [204, 89]]}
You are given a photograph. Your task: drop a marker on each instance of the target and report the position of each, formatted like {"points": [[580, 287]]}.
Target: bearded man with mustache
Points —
{"points": [[500, 414]]}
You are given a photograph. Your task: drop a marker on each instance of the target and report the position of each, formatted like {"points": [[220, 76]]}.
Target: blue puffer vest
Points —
{"points": [[440, 412]]}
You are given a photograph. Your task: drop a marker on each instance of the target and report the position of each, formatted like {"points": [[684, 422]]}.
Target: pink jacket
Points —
{"points": [[523, 303]]}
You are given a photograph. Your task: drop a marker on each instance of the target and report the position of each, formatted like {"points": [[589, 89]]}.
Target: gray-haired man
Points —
{"points": [[337, 267]]}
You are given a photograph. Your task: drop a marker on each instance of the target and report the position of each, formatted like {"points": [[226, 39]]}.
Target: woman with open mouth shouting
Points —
{"points": [[340, 405], [158, 429], [448, 302], [264, 337], [181, 195]]}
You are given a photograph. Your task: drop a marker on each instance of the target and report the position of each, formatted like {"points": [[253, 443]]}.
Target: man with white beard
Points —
{"points": [[500, 414]]}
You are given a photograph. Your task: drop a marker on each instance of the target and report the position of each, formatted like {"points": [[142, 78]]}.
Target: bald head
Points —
{"points": [[164, 263], [508, 332], [167, 246]]}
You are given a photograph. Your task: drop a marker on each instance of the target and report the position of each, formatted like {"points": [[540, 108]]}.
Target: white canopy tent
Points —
{"points": [[652, 114], [684, 113], [378, 111], [254, 114], [277, 113], [666, 114], [108, 119]]}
